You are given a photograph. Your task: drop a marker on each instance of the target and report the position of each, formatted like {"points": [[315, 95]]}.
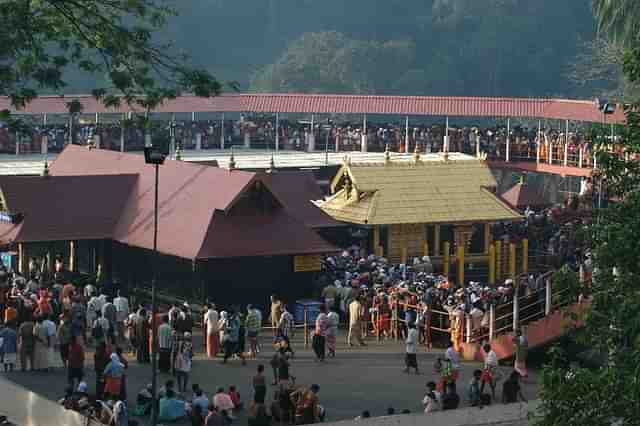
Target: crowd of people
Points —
{"points": [[49, 322], [258, 131]]}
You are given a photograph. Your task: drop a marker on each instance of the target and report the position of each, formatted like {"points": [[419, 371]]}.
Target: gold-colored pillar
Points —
{"points": [[436, 240], [445, 259], [487, 237], [72, 256], [498, 260], [376, 236], [525, 256], [380, 251], [22, 257], [512, 261], [425, 249], [404, 255], [461, 265], [492, 264]]}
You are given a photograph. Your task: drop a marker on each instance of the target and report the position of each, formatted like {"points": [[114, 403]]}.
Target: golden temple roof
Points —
{"points": [[416, 192]]}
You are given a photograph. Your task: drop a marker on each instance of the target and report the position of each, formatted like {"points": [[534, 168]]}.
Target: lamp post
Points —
{"points": [[154, 156]]}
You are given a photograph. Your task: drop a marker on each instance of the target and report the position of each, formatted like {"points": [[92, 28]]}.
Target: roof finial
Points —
{"points": [[416, 154], [45, 170], [232, 161], [178, 154], [387, 155], [522, 179]]}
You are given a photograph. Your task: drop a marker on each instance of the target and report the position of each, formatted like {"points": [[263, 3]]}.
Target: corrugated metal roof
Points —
{"points": [[561, 109], [426, 192]]}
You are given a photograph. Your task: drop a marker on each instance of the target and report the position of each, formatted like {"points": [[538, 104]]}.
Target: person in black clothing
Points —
{"points": [[450, 399], [511, 389]]}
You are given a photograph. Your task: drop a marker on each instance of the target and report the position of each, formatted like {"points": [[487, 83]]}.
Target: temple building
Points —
{"points": [[223, 233], [433, 204]]}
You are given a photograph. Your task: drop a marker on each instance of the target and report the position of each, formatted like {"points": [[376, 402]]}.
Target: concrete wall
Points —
{"points": [[495, 415]]}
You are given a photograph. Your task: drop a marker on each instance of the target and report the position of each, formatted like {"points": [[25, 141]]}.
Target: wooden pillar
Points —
{"points": [[461, 264], [436, 240], [425, 248], [525, 255], [22, 259], [445, 259], [376, 238], [512, 261], [487, 237], [72, 256], [498, 245], [492, 264]]}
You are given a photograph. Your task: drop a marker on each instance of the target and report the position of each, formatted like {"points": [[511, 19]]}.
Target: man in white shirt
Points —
{"points": [[411, 360], [122, 312], [355, 323], [212, 330], [489, 375]]}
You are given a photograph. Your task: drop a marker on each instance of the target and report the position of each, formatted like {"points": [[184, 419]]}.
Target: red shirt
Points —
{"points": [[76, 356]]}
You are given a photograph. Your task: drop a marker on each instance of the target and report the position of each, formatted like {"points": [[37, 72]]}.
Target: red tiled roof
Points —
{"points": [[64, 207], [522, 195], [196, 217], [561, 109], [295, 190], [250, 234], [188, 195]]}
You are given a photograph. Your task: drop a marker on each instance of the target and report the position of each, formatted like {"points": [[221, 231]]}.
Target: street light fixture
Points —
{"points": [[155, 156]]}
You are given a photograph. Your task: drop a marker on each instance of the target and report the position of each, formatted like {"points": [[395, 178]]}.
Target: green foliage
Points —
{"points": [[453, 47], [619, 19], [610, 393], [42, 41]]}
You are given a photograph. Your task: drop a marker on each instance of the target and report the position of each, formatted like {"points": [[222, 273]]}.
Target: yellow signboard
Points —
{"points": [[307, 263]]}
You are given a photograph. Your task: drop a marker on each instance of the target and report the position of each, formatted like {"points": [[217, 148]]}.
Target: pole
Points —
{"points": [[516, 307], [566, 143], [154, 307], [492, 264], [406, 135], [525, 255], [222, 132], [538, 141], [461, 265], [512, 261], [363, 142], [277, 132], [492, 322], [445, 259], [508, 152]]}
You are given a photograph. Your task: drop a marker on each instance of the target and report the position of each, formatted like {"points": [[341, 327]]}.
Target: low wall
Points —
{"points": [[495, 415]]}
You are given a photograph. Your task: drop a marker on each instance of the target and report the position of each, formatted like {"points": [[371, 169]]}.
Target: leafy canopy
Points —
{"points": [[44, 43]]}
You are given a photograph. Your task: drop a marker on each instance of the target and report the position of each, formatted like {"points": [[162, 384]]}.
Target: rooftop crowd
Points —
{"points": [[259, 132]]}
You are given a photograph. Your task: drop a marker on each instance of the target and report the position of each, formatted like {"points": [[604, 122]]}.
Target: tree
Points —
{"points": [[619, 19], [608, 394], [43, 43], [598, 68], [332, 63]]}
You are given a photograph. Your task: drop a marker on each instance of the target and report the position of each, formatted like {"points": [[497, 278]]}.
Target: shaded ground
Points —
{"points": [[358, 379]]}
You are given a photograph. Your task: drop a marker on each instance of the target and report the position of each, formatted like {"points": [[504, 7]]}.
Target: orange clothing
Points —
{"points": [[10, 314]]}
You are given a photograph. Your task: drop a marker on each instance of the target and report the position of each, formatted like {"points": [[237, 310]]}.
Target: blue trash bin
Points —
{"points": [[313, 310]]}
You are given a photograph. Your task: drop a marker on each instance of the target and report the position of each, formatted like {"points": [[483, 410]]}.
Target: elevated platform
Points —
{"points": [[534, 167]]}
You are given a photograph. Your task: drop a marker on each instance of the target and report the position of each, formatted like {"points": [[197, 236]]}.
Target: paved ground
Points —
{"points": [[358, 379]]}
